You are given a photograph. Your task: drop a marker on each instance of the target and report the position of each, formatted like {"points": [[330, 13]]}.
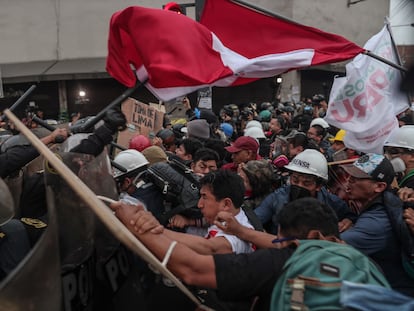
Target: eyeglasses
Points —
{"points": [[305, 180]]}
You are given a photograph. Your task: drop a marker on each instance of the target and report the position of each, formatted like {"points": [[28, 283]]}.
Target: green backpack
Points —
{"points": [[311, 279]]}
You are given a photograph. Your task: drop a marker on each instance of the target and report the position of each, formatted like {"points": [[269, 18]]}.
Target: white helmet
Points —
{"points": [[311, 162], [402, 137], [254, 132], [131, 160], [319, 121], [253, 123]]}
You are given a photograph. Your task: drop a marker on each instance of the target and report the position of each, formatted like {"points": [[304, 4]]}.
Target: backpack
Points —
{"points": [[394, 209], [312, 277], [252, 217], [179, 187]]}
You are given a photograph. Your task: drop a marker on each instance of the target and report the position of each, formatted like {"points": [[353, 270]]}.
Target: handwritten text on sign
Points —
{"points": [[141, 119]]}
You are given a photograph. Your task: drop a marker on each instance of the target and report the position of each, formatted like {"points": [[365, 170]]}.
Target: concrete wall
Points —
{"points": [[36, 34], [358, 22], [48, 29]]}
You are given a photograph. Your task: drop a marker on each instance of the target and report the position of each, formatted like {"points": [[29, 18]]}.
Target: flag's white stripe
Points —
{"points": [[242, 67], [168, 93], [265, 65]]}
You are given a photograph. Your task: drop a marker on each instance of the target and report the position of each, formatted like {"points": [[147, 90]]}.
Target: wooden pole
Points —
{"points": [[100, 209], [346, 161]]}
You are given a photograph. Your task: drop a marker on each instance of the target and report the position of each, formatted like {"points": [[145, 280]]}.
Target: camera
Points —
{"points": [[31, 107], [245, 113]]}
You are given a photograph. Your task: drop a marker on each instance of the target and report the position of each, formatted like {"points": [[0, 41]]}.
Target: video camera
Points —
{"points": [[245, 113], [32, 108]]}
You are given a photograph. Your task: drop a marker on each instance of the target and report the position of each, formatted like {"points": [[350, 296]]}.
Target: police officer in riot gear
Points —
{"points": [[14, 241]]}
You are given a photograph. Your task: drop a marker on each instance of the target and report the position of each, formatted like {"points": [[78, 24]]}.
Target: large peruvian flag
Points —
{"points": [[232, 45]]}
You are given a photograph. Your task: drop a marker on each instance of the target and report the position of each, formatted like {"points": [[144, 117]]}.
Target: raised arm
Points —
{"points": [[188, 265], [18, 156], [229, 224]]}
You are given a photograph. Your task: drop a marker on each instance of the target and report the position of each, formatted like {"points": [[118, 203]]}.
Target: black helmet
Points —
{"points": [[228, 111], [317, 98], [265, 106], [288, 109]]}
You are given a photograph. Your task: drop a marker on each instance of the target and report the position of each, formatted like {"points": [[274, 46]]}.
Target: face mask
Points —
{"points": [[398, 165], [297, 192]]}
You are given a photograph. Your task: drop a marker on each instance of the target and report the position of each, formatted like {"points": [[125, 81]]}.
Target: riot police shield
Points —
{"points": [[96, 269], [20, 139], [35, 284], [76, 220], [75, 264]]}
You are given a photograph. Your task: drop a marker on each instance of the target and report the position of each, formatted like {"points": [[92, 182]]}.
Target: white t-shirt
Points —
{"points": [[237, 245]]}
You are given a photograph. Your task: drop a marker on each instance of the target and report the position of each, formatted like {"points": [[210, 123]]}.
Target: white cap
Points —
{"points": [[254, 132], [320, 122]]}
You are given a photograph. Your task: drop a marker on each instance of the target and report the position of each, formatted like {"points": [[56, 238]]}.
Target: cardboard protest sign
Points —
{"points": [[141, 119]]}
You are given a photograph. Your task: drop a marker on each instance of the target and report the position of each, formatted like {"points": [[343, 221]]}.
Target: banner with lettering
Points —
{"points": [[141, 119], [365, 102]]}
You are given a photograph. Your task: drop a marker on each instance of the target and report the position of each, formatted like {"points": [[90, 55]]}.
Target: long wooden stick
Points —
{"points": [[346, 161], [102, 211]]}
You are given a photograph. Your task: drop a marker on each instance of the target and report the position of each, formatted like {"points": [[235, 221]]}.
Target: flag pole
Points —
{"points": [[394, 46], [386, 61], [19, 100], [271, 14], [91, 122], [264, 11]]}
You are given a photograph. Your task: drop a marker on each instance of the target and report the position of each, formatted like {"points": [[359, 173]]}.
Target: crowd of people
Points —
{"points": [[237, 191]]}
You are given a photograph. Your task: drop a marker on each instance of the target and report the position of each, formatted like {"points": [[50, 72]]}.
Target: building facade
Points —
{"points": [[63, 45]]}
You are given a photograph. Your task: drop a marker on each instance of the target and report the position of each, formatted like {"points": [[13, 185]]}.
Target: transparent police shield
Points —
{"points": [[20, 139], [35, 284], [77, 222], [97, 271], [94, 266]]}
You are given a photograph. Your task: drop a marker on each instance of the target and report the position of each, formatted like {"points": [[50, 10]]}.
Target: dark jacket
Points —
{"points": [[15, 158], [270, 207], [372, 234], [33, 196]]}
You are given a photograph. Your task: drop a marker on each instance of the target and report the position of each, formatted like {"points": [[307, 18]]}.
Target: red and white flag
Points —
{"points": [[232, 45], [365, 102]]}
